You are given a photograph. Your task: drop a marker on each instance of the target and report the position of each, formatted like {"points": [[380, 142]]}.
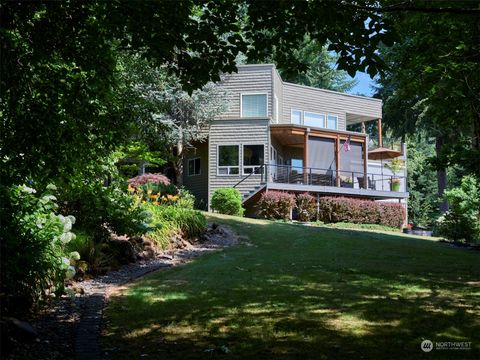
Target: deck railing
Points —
{"points": [[288, 174]]}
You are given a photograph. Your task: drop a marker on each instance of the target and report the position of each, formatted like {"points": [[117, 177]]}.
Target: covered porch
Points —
{"points": [[335, 162]]}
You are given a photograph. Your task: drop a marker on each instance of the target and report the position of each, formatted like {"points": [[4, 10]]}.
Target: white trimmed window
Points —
{"points": [[332, 122], [296, 117], [194, 167], [253, 158], [313, 119], [254, 105], [228, 160]]}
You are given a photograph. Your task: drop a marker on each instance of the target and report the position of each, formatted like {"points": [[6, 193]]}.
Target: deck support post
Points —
{"points": [[318, 205], [365, 162], [337, 161], [364, 131], [380, 139], [305, 157]]}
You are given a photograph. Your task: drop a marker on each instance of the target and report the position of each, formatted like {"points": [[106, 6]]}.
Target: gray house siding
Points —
{"points": [[197, 184], [278, 94], [239, 132], [327, 102], [249, 79]]}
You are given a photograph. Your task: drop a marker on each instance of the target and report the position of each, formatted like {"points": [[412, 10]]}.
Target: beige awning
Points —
{"points": [[383, 153]]}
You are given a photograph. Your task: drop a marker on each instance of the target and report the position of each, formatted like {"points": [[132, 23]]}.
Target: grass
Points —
{"points": [[291, 291]]}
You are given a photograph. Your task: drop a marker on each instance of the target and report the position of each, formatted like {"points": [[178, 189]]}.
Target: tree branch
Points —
{"points": [[409, 7]]}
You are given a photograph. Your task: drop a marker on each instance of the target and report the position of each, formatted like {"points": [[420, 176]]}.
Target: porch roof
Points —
{"points": [[294, 135]]}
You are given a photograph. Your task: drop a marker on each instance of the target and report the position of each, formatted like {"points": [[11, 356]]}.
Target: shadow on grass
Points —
{"points": [[295, 292]]}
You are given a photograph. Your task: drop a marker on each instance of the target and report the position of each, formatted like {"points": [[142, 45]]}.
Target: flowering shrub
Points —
{"points": [[276, 205], [306, 206], [156, 178], [227, 201], [338, 209], [34, 237]]}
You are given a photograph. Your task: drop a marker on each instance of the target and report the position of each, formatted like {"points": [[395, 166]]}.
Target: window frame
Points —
{"points": [[199, 166], [253, 93], [336, 122], [254, 167], [315, 113], [228, 167], [291, 116]]}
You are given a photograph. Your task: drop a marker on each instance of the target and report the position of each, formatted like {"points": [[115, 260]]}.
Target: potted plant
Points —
{"points": [[395, 167]]}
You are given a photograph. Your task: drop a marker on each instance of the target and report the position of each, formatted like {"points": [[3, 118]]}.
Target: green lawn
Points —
{"points": [[292, 291]]}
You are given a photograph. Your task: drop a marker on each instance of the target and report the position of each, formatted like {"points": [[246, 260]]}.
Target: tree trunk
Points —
{"points": [[441, 176], [178, 164]]}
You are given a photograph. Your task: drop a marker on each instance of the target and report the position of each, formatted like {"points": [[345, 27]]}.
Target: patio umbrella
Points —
{"points": [[383, 153]]}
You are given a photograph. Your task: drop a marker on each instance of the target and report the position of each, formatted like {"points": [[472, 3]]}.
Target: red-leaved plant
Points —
{"points": [[154, 178], [276, 205], [359, 211]]}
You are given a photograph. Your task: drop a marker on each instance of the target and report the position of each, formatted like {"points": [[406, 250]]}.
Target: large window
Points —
{"points": [[193, 167], [314, 119], [296, 117], [252, 158], [332, 122], [228, 160], [254, 105]]}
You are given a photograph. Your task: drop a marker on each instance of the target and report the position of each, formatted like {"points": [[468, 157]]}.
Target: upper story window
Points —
{"points": [[296, 117], [254, 105], [332, 122], [313, 119]]}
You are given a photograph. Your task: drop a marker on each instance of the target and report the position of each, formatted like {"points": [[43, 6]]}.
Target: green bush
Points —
{"points": [[33, 239], [186, 199], [306, 207], [462, 221], [100, 208], [227, 201], [276, 205]]}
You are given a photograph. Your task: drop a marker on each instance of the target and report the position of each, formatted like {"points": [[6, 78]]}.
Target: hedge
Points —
{"points": [[340, 209], [276, 205]]}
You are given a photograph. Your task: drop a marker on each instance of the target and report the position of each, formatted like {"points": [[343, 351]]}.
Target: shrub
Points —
{"points": [[156, 178], [276, 205], [100, 208], [306, 206], [462, 221], [186, 199], [33, 239], [338, 209], [227, 201]]}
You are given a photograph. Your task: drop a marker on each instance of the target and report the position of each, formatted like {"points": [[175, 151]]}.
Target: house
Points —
{"points": [[282, 136]]}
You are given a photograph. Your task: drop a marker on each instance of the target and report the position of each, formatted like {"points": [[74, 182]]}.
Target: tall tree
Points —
{"points": [[318, 68], [167, 118]]}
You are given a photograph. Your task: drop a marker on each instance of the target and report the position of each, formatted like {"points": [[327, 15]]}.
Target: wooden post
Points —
{"points": [[364, 131], [337, 160], [379, 125], [318, 205], [305, 158], [365, 161]]}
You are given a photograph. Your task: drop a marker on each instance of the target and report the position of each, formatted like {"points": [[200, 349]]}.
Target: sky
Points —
{"points": [[364, 86]]}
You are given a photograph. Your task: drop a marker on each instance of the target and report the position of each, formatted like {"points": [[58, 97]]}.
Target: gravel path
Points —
{"points": [[70, 328]]}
